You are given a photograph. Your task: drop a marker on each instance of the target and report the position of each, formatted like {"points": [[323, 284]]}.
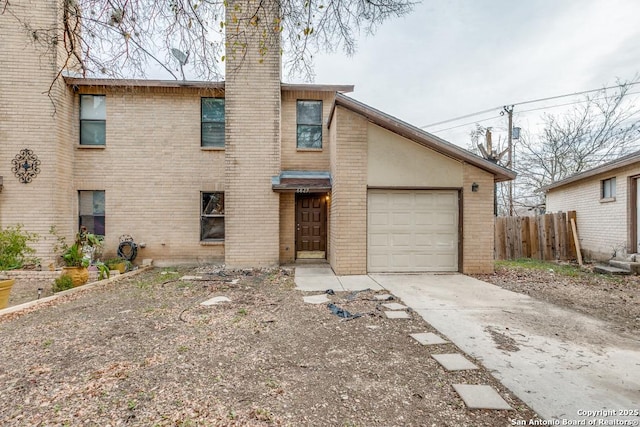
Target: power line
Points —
{"points": [[466, 124], [528, 102], [568, 103]]}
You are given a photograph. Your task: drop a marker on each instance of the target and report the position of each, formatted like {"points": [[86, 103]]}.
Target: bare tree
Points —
{"points": [[121, 37], [603, 127]]}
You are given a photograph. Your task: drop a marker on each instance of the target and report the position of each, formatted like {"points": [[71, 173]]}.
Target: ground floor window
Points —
{"points": [[212, 216], [609, 188], [92, 211]]}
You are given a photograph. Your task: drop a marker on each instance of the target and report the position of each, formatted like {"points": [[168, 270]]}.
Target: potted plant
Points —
{"points": [[77, 257], [5, 290], [117, 263], [15, 253]]}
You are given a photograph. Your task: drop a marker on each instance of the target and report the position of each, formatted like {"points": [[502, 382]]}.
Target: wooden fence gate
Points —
{"points": [[547, 237]]}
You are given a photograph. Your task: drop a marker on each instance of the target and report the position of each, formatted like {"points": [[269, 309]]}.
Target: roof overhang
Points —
{"points": [[622, 162], [80, 81], [421, 137], [301, 182]]}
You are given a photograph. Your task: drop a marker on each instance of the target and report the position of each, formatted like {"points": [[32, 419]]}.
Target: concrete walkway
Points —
{"points": [[319, 278], [561, 363]]}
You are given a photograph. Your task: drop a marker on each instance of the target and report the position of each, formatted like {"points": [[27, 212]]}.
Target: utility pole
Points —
{"points": [[509, 110]]}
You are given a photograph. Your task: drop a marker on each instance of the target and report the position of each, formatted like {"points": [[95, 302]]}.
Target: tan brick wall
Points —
{"points": [[348, 215], [602, 225], [477, 221], [301, 159], [252, 154], [29, 118], [152, 170], [287, 227]]}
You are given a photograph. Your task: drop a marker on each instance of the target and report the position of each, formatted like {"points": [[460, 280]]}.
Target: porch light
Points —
{"points": [[474, 187]]}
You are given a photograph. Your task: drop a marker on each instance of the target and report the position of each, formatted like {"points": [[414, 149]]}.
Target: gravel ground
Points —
{"points": [[614, 299], [143, 351]]}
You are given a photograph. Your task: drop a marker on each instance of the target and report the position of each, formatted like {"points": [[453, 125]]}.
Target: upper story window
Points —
{"points": [[608, 188], [92, 212], [93, 119], [309, 124], [212, 129]]}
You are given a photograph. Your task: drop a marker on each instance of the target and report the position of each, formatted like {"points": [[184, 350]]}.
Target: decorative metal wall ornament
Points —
{"points": [[26, 166]]}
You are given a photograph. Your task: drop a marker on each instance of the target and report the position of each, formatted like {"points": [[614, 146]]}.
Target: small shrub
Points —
{"points": [[62, 283], [15, 251], [103, 270]]}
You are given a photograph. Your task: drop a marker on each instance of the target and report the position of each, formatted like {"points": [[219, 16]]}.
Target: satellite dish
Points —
{"points": [[182, 59], [180, 56]]}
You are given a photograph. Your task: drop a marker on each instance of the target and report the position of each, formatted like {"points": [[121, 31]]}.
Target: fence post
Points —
{"points": [[571, 245], [500, 238], [534, 233]]}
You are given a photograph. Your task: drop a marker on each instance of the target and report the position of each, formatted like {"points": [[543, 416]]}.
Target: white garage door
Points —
{"points": [[412, 230]]}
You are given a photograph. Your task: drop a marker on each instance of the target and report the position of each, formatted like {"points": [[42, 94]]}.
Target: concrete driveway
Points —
{"points": [[558, 361]]}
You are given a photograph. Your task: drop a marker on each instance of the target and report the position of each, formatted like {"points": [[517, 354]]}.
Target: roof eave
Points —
{"points": [[419, 136], [81, 81], [608, 167]]}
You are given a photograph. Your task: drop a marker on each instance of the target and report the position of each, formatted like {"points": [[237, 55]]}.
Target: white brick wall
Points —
{"points": [[602, 225]]}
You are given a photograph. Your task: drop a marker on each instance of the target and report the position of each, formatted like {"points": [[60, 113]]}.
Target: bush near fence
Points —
{"points": [[547, 237]]}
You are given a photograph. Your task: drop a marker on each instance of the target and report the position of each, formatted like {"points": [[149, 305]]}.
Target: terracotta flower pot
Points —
{"points": [[5, 291], [79, 275]]}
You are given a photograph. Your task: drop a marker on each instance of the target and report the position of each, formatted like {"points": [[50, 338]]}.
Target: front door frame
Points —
{"points": [[321, 253], [632, 215]]}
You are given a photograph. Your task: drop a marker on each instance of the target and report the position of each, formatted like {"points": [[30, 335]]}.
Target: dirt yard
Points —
{"points": [[615, 299], [144, 351]]}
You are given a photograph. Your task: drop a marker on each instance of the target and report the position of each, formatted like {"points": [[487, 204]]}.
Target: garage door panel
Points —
{"points": [[424, 218], [444, 218], [401, 219], [377, 218], [400, 261], [379, 240], [399, 241], [379, 262], [412, 230], [424, 240]]}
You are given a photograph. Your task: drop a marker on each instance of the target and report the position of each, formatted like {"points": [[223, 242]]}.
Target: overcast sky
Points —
{"points": [[453, 57]]}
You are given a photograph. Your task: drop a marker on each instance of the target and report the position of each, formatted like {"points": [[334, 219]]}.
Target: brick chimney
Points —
{"points": [[252, 133]]}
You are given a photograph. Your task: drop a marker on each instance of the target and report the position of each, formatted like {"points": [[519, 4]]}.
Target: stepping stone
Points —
{"points": [[397, 315], [428, 338], [383, 297], [481, 397], [316, 299], [394, 306], [215, 301], [454, 362]]}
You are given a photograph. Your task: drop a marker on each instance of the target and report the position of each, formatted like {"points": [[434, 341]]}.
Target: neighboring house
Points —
{"points": [[605, 199], [250, 171]]}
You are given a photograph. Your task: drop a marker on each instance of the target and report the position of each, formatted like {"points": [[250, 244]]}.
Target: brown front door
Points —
{"points": [[311, 225]]}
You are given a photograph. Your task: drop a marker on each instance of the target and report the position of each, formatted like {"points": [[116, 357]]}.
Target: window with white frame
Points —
{"points": [[93, 119], [212, 216], [92, 211], [609, 188], [212, 122], [309, 124]]}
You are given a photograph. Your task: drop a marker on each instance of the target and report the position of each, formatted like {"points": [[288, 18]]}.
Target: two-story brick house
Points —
{"points": [[249, 170]]}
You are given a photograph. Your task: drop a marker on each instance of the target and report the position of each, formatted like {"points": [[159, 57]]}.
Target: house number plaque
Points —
{"points": [[302, 190]]}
